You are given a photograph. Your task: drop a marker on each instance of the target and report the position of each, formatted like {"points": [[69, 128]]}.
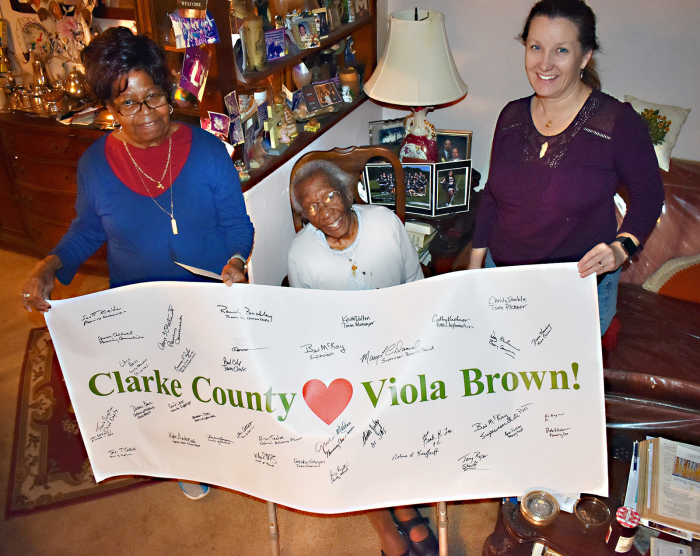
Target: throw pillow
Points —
{"points": [[678, 278], [664, 123]]}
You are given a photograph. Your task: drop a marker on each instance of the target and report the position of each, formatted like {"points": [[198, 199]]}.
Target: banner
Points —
{"points": [[469, 385]]}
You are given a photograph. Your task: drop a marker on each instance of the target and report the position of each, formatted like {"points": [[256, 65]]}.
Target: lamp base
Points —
{"points": [[419, 144]]}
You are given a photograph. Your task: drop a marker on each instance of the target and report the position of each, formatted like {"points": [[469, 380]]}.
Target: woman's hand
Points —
{"points": [[602, 258], [234, 272], [476, 259], [38, 287]]}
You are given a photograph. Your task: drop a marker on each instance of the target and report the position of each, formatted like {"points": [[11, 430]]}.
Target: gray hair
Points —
{"points": [[341, 180]]}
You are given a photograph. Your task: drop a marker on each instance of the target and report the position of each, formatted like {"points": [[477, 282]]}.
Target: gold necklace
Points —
{"points": [[353, 263], [140, 171], [171, 214], [548, 122]]}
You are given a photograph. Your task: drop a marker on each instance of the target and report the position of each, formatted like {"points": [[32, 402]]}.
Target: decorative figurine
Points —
{"points": [[347, 96], [312, 125], [291, 124], [272, 124]]}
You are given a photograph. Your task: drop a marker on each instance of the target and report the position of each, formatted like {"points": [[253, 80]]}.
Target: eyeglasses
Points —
{"points": [[328, 200], [131, 107]]}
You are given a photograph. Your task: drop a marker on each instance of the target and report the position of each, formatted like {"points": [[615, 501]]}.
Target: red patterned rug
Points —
{"points": [[50, 467]]}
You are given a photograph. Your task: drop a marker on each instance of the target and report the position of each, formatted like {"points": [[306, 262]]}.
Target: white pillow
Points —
{"points": [[665, 124]]}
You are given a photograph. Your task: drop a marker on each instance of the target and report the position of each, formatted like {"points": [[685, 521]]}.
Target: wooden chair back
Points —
{"points": [[352, 160]]}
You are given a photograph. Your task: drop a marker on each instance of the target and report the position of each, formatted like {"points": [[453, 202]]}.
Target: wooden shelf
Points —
{"points": [[304, 138], [276, 66]]}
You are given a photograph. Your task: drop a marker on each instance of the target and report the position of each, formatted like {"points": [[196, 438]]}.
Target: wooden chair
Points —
{"points": [[353, 161]]}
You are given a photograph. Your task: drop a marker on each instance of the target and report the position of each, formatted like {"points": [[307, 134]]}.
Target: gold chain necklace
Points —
{"points": [[140, 171], [171, 214], [353, 263], [548, 122]]}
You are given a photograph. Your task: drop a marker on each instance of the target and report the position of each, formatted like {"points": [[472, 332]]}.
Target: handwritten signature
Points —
{"points": [[503, 345], [543, 333]]}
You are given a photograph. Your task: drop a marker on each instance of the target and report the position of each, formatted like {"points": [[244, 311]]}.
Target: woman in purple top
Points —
{"points": [[558, 157]]}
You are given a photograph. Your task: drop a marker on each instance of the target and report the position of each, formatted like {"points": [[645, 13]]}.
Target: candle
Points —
{"points": [[349, 77]]}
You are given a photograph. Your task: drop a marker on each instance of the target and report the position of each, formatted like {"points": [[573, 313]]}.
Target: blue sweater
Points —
{"points": [[208, 206]]}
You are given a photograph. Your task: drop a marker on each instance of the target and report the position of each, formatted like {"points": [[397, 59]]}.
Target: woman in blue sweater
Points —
{"points": [[156, 191]]}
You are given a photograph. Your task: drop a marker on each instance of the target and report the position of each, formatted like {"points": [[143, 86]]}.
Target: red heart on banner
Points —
{"points": [[327, 402]]}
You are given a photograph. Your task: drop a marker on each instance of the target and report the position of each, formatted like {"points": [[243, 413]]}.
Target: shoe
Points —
{"points": [[408, 549], [429, 546], [194, 491]]}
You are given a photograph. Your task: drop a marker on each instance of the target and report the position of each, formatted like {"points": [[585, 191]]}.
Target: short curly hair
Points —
{"points": [[112, 56], [341, 180]]}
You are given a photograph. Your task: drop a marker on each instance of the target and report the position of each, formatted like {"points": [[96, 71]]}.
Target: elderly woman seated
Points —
{"points": [[355, 247], [345, 246]]}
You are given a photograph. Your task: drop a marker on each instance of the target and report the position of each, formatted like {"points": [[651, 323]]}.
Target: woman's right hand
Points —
{"points": [[476, 259], [38, 287]]}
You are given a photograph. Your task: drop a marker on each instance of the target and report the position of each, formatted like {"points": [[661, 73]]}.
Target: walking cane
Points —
{"points": [[442, 527], [273, 532]]}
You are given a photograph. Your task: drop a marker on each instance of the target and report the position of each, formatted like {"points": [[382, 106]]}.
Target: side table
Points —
{"points": [[514, 536]]}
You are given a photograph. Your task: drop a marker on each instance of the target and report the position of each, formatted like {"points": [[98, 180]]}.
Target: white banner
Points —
{"points": [[468, 385]]}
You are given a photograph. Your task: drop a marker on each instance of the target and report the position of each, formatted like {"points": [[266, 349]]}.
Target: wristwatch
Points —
{"points": [[628, 245], [240, 257]]}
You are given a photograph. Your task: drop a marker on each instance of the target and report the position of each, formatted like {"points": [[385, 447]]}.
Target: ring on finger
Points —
{"points": [[25, 295], [601, 264]]}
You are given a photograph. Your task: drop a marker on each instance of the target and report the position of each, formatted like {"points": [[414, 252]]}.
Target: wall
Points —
{"points": [[268, 202], [650, 50]]}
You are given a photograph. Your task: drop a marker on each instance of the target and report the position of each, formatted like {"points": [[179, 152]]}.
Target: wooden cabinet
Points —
{"points": [[152, 19], [39, 160]]}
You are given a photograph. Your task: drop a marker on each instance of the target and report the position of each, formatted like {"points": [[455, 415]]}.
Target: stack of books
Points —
{"points": [[421, 235], [668, 491]]}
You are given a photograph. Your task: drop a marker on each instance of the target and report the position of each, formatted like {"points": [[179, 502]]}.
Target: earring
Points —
{"points": [[116, 125], [581, 74], [171, 108]]}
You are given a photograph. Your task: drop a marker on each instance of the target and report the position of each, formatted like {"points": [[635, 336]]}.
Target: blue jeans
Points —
{"points": [[607, 294]]}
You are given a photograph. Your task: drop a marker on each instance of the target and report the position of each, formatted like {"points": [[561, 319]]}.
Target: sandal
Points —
{"points": [[429, 546]]}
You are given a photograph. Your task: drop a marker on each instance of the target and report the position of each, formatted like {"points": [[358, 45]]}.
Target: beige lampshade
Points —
{"points": [[416, 67]]}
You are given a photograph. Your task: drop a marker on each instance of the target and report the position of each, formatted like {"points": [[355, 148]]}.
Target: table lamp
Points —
{"points": [[416, 69]]}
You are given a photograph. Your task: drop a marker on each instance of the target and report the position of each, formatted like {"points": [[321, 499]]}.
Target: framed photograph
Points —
{"points": [[452, 186], [388, 133], [305, 32], [453, 145], [327, 94], [195, 69], [381, 182], [193, 32], [231, 102], [362, 8], [274, 42], [322, 22], [220, 124]]}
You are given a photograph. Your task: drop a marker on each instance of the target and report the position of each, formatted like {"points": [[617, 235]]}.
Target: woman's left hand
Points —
{"points": [[234, 272], [601, 259]]}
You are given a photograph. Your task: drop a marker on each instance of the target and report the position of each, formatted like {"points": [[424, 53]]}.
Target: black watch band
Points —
{"points": [[628, 245]]}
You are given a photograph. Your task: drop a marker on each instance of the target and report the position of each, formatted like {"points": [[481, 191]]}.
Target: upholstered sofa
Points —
{"points": [[651, 354]]}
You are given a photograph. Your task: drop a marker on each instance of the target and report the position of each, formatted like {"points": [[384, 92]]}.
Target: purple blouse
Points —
{"points": [[554, 206]]}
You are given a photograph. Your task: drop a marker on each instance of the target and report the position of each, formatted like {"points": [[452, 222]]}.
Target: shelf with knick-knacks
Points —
{"points": [[227, 72]]}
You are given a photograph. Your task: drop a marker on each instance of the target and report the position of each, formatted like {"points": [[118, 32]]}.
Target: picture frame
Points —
{"points": [[461, 140], [274, 43], [452, 187], [363, 8], [379, 179], [322, 23], [309, 37], [387, 133]]}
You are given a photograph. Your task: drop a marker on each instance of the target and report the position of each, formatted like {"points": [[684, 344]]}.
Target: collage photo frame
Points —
{"points": [[432, 189]]}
